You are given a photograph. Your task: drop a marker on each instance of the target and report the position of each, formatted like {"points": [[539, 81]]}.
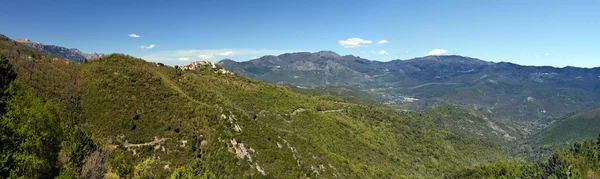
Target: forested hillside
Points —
{"points": [[581, 160], [119, 116]]}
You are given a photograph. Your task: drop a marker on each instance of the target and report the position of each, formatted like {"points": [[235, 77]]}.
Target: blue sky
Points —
{"points": [[556, 33]]}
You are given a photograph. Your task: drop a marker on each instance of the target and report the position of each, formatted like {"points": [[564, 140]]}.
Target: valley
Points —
{"points": [[527, 97]]}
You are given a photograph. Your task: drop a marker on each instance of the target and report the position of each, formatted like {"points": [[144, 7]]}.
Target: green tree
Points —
{"points": [[195, 169], [30, 137], [78, 144], [7, 75]]}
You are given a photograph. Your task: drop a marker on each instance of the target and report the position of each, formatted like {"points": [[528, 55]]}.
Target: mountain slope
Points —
{"points": [[524, 94], [260, 116], [580, 160], [576, 128], [153, 120], [303, 69]]}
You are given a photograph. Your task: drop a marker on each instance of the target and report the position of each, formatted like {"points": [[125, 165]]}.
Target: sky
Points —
{"points": [[549, 33]]}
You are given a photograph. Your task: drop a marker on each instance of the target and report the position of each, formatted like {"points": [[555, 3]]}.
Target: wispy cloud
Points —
{"points": [[227, 53], [134, 35], [172, 57], [383, 52], [382, 42], [547, 54], [354, 42], [206, 56], [148, 46], [183, 58], [438, 52], [368, 51]]}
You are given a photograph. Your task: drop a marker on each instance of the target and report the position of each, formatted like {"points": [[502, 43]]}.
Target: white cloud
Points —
{"points": [[354, 42], [148, 47], [369, 51], [547, 54], [134, 35], [227, 53], [183, 58], [382, 42], [438, 52], [206, 56], [383, 52], [171, 57]]}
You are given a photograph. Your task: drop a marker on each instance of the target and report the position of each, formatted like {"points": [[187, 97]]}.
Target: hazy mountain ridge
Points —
{"points": [[72, 54], [311, 69], [425, 69], [512, 91]]}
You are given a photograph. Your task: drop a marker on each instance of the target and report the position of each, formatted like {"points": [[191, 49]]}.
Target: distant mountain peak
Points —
{"points": [[319, 54], [327, 54], [226, 60], [71, 54], [444, 56], [448, 58]]}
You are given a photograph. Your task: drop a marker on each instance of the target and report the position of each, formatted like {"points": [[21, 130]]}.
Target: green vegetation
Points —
{"points": [[36, 128], [122, 117], [578, 127], [582, 160], [32, 132], [468, 122], [316, 137], [344, 93], [529, 96]]}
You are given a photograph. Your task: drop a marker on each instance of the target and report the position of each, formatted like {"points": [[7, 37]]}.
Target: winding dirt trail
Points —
{"points": [[145, 144]]}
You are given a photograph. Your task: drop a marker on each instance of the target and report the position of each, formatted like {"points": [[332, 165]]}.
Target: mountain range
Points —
{"points": [[523, 94], [71, 54]]}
